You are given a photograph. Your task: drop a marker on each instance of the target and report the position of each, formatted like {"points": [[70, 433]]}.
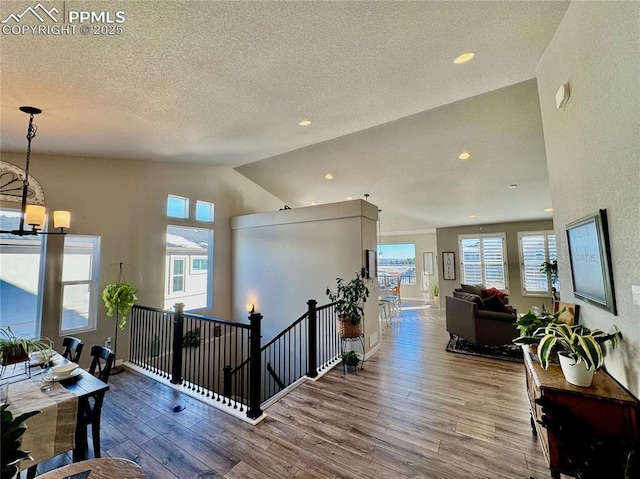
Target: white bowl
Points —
{"points": [[64, 371], [42, 355]]}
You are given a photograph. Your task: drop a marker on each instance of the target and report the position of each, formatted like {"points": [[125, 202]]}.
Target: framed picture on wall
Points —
{"points": [[448, 265], [428, 263], [372, 264]]}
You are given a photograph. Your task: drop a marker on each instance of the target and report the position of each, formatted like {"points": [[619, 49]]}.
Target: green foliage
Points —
{"points": [[350, 297], [435, 288], [191, 338], [551, 268], [12, 346], [350, 358], [12, 429], [119, 297], [530, 322], [578, 342]]}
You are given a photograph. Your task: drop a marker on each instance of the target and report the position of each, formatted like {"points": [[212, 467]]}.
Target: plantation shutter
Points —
{"points": [[483, 260], [536, 248]]}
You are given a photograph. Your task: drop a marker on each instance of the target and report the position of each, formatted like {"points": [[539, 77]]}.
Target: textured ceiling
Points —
{"points": [[226, 83]]}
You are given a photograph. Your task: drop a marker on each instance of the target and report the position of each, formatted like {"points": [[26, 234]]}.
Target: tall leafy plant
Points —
{"points": [[119, 297], [350, 296]]}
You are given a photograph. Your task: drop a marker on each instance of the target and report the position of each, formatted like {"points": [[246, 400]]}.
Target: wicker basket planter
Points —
{"points": [[347, 330]]}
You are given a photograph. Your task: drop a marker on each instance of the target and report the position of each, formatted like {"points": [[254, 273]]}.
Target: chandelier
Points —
{"points": [[34, 216]]}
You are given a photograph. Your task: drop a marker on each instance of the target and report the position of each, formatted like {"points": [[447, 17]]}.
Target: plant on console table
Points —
{"points": [[579, 349], [528, 324], [350, 298]]}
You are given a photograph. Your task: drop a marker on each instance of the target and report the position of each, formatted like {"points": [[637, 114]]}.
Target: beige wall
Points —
{"points": [[284, 258], [448, 241], [424, 243], [124, 202], [592, 154]]}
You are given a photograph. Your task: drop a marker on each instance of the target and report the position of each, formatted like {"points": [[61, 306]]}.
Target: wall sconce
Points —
{"points": [[251, 308], [33, 215]]}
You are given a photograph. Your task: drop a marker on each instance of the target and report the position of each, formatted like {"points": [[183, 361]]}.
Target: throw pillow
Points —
{"points": [[472, 298], [473, 288], [493, 292], [495, 303]]}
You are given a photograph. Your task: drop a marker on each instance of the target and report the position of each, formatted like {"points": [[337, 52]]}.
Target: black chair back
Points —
{"points": [[103, 359], [72, 348]]}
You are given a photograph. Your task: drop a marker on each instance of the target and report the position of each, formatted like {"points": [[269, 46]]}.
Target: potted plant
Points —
{"points": [[528, 324], [579, 349], [119, 297], [551, 269], [350, 359], [435, 290], [350, 298], [12, 429], [16, 349]]}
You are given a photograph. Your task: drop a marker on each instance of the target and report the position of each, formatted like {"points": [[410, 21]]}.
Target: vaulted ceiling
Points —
{"points": [[226, 83]]}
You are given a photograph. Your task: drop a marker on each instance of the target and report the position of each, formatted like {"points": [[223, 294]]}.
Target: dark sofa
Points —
{"points": [[468, 318]]}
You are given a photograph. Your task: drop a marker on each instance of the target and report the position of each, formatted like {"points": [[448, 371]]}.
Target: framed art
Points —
{"points": [[590, 260], [427, 258], [448, 265], [372, 264]]}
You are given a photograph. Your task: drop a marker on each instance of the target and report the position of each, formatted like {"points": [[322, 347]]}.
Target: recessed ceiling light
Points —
{"points": [[305, 123], [548, 210], [472, 216], [465, 57], [329, 176], [513, 187], [349, 198], [464, 155]]}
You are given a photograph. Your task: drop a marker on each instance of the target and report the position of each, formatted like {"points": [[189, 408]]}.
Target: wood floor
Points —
{"points": [[414, 411]]}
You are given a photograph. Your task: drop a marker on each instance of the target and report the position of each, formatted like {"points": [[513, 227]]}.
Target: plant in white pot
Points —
{"points": [[350, 298], [579, 348]]}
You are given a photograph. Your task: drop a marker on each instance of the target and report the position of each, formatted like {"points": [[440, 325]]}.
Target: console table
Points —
{"points": [[605, 406]]}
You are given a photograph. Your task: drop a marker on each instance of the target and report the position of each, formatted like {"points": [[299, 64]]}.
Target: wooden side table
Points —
{"points": [[605, 406], [103, 468]]}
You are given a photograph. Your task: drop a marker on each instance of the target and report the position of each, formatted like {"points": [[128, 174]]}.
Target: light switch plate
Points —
{"points": [[635, 293]]}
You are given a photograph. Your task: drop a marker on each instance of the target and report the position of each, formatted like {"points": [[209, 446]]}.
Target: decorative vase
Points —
{"points": [[575, 373]]}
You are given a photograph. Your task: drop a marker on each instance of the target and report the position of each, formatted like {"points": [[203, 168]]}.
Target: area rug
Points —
{"points": [[506, 352]]}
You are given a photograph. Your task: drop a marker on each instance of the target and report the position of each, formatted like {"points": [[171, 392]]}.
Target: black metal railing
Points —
{"points": [[224, 361]]}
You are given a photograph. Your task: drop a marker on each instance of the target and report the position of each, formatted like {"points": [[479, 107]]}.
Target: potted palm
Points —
{"points": [[579, 349], [349, 299], [551, 269], [435, 291]]}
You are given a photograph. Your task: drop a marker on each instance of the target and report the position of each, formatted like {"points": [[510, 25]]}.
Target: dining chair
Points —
{"points": [[101, 364], [72, 348]]}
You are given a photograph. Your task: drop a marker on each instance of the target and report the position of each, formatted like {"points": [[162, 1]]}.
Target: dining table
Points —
{"points": [[59, 426]]}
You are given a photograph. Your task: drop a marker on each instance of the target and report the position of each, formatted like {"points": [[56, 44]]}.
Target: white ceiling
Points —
{"points": [[226, 83]]}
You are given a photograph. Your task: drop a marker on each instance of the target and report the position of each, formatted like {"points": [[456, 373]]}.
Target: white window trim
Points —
{"points": [[93, 289], [505, 263], [211, 207], [197, 271], [172, 260], [546, 234], [186, 206]]}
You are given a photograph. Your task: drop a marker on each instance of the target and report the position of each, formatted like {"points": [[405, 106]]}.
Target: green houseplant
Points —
{"points": [[350, 359], [579, 349], [12, 429], [528, 324], [551, 269], [119, 297], [350, 298], [16, 349]]}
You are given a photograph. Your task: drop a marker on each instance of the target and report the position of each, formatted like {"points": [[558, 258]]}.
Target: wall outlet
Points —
{"points": [[635, 294]]}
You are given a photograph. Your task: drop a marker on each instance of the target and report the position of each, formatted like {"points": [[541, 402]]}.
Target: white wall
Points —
{"points": [[592, 153], [124, 202], [283, 259]]}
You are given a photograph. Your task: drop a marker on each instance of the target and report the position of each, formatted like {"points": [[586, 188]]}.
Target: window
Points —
{"points": [[483, 260], [80, 271], [177, 206], [189, 272], [21, 277], [536, 247], [397, 261], [204, 211]]}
